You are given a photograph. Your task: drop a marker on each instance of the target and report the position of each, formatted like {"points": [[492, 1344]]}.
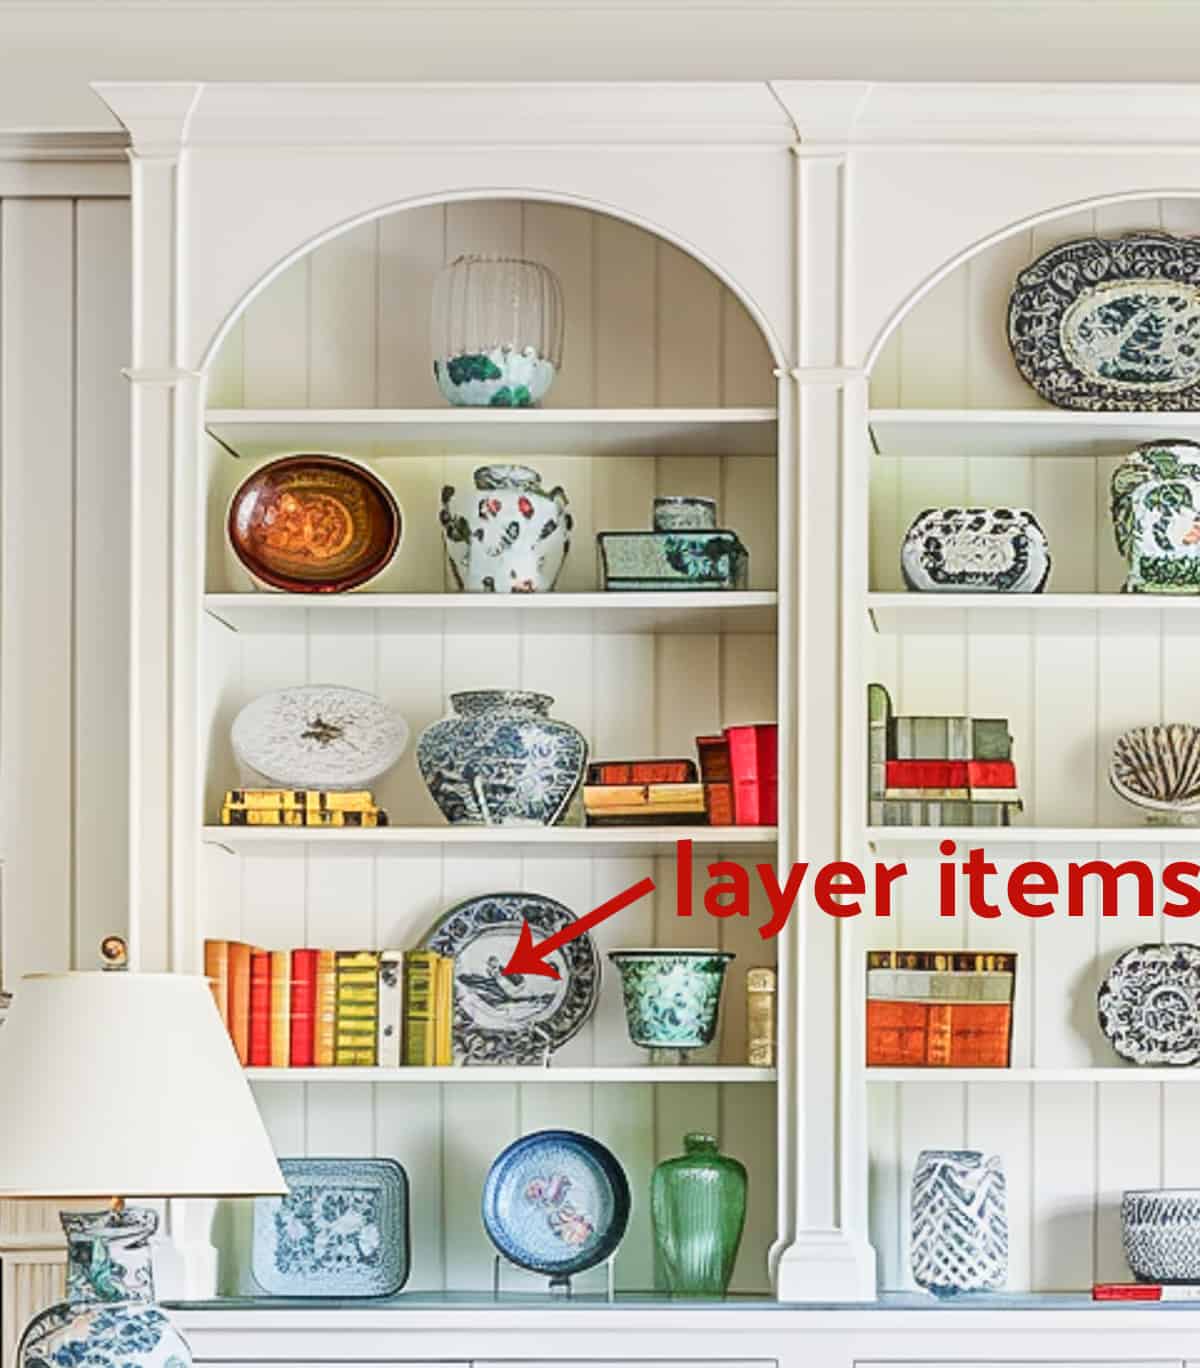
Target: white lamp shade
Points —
{"points": [[126, 1085]]}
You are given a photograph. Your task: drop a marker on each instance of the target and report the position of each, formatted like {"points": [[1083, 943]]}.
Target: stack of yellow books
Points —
{"points": [[630, 804], [301, 807]]}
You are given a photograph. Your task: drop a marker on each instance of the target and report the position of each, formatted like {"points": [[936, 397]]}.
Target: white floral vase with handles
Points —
{"points": [[959, 1239], [507, 535]]}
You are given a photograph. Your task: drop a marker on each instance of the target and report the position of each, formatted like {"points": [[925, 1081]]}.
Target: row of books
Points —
{"points": [[940, 1008], [301, 807], [329, 1008], [735, 782], [938, 771]]}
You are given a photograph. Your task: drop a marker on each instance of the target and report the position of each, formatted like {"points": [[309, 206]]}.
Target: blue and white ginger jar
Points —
{"points": [[502, 760], [108, 1319], [959, 1239]]}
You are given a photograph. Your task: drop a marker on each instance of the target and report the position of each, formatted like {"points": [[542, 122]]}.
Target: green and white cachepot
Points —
{"points": [[671, 996], [1156, 517]]}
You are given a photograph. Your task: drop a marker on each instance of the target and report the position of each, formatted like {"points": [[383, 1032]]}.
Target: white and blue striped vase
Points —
{"points": [[959, 1222]]}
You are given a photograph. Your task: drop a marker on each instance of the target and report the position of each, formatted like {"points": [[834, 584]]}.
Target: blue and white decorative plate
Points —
{"points": [[1111, 323], [519, 1019], [556, 1202], [1149, 1004], [342, 1230]]}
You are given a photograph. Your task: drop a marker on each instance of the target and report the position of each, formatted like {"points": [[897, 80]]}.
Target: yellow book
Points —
{"points": [[325, 1010], [356, 1018], [281, 1008], [350, 800], [445, 1010], [420, 986], [298, 817]]}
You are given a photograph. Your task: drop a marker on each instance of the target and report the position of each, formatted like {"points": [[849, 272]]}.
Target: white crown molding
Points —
{"points": [[156, 113], [1015, 114], [36, 164], [310, 115]]}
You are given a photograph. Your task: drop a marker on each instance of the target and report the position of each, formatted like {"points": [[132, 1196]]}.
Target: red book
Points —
{"points": [[260, 1010], [754, 765], [304, 1006], [718, 804], [949, 774], [1141, 1292]]}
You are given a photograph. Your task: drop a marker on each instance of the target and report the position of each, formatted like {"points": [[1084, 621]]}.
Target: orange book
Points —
{"points": [[281, 1009], [216, 970], [960, 1035], [239, 998], [325, 1023]]}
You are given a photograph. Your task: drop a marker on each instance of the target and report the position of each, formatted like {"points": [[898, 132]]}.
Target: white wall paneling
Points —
{"points": [[64, 334], [1069, 681]]}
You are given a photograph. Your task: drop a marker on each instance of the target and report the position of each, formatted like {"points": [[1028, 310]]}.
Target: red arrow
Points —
{"points": [[528, 958]]}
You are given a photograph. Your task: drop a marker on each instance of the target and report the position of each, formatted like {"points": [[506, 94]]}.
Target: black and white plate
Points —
{"points": [[520, 1019], [1111, 323], [1149, 1004]]}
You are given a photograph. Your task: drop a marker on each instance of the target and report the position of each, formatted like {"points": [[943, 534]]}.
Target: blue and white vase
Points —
{"points": [[502, 760], [507, 534], [109, 1316], [959, 1240]]}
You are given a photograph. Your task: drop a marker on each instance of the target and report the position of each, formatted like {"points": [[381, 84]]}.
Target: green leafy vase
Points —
{"points": [[698, 1204]]}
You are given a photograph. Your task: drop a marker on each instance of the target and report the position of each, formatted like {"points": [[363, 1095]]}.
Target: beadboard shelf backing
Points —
{"points": [[1028, 614], [688, 1075], [672, 612], [955, 424], [988, 434], [252, 434], [463, 841]]}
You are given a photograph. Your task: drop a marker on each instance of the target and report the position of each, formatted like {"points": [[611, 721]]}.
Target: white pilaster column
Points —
{"points": [[827, 1255], [166, 400]]}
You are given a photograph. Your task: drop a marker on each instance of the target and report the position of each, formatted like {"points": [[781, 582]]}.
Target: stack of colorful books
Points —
{"points": [[735, 783], [938, 771], [333, 1008], [301, 807], [940, 1008]]}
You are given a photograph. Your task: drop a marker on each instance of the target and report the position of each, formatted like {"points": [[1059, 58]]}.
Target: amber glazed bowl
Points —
{"points": [[313, 524]]}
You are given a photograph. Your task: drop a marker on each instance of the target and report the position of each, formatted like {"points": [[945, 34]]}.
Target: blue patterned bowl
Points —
{"points": [[671, 996], [556, 1202], [1160, 1228]]}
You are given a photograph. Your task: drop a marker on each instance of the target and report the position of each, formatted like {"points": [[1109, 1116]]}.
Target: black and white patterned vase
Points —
{"points": [[975, 551], [959, 1237]]}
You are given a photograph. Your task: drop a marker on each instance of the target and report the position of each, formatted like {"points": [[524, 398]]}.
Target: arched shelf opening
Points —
{"points": [[668, 386], [955, 424]]}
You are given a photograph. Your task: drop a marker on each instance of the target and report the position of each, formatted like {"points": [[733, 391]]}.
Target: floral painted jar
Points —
{"points": [[502, 760], [497, 331], [1156, 517], [959, 1240], [671, 996], [508, 535], [108, 1318]]}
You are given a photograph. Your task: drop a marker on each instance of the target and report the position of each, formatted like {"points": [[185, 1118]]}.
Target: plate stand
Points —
{"points": [[559, 1287]]}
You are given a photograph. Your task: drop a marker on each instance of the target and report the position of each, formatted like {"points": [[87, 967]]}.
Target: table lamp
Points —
{"points": [[120, 1085]]}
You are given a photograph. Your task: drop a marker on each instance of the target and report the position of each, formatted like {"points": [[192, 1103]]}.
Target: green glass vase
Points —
{"points": [[698, 1204]]}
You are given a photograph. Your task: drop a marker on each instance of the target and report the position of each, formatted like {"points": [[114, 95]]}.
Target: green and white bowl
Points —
{"points": [[671, 996]]}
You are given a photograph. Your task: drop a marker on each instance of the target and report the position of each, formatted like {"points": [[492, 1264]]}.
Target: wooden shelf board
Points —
{"points": [[1060, 614], [508, 1073], [1117, 1074], [1031, 835], [528, 433], [668, 613], [989, 433], [572, 842]]}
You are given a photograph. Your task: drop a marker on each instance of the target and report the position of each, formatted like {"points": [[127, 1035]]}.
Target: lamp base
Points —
{"points": [[109, 1316]]}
